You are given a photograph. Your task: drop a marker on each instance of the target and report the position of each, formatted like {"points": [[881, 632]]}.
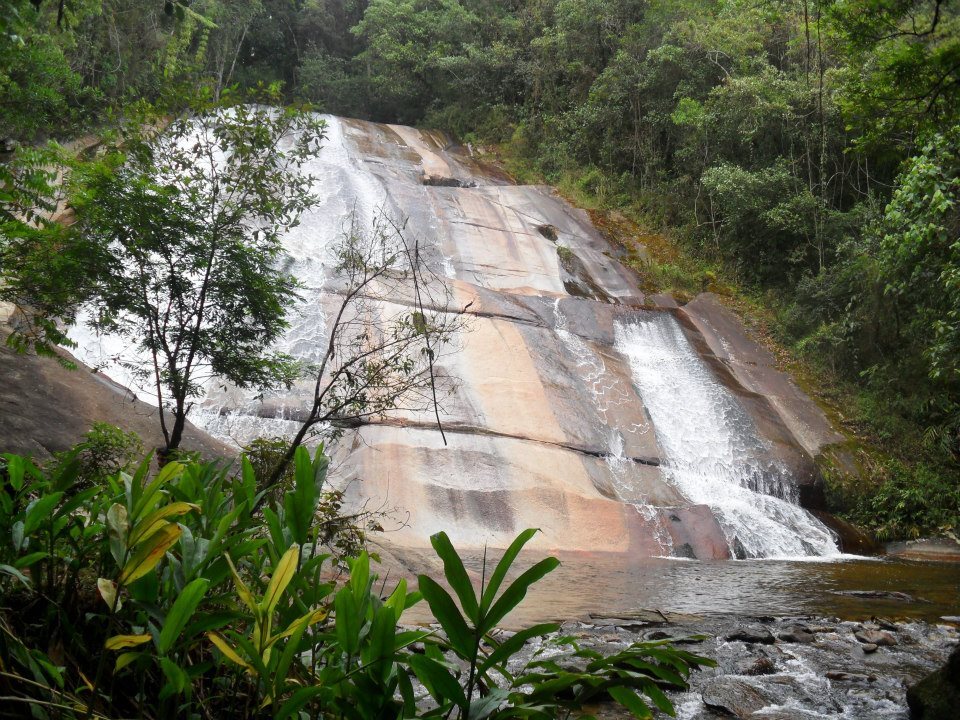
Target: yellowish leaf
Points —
{"points": [[122, 642], [149, 553], [242, 590], [108, 591], [157, 520], [228, 652], [282, 575]]}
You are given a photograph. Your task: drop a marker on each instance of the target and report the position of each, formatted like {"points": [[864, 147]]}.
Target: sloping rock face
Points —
{"points": [[47, 408], [550, 425]]}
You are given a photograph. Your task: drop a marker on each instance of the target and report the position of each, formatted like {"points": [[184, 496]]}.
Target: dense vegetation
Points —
{"points": [[803, 155], [125, 593]]}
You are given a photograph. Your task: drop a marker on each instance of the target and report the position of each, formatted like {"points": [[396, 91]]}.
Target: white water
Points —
{"points": [[606, 392], [347, 193], [712, 451]]}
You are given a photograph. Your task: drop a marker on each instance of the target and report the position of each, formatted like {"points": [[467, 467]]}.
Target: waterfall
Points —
{"points": [[347, 193], [712, 452], [605, 391]]}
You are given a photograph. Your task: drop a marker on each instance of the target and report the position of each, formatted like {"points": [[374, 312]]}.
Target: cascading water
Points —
{"points": [[712, 451], [607, 392], [347, 193]]}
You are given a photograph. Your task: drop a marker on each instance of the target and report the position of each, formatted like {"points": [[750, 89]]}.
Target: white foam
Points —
{"points": [[712, 451]]}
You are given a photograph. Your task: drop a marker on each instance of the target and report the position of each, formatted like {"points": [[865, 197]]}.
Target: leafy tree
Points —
{"points": [[904, 69], [920, 257], [406, 45], [177, 246]]}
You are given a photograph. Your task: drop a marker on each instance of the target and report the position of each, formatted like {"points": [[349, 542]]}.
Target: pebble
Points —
{"points": [[849, 676], [875, 637]]}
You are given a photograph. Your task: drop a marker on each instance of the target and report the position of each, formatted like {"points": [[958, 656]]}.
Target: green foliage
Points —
{"points": [[920, 253], [176, 244], [170, 591], [909, 502]]}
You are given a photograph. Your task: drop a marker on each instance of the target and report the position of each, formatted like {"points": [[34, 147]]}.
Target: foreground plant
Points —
{"points": [[170, 596]]}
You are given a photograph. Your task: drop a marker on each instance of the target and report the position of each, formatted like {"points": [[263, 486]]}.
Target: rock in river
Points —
{"points": [[734, 696], [937, 696]]}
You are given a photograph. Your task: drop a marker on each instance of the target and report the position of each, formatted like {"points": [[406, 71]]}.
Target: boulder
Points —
{"points": [[937, 696], [47, 408]]}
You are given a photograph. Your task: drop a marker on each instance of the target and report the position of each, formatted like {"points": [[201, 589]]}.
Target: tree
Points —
{"points": [[176, 248], [920, 258], [391, 321]]}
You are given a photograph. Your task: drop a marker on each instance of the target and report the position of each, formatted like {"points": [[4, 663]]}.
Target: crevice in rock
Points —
{"points": [[466, 429], [440, 181]]}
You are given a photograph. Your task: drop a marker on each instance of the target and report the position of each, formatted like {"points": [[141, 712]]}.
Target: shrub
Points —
{"points": [[173, 592]]}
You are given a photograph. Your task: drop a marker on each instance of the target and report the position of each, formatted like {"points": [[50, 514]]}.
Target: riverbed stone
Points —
{"points": [[734, 696], [752, 634], [869, 648], [763, 665], [875, 637], [797, 634], [845, 676]]}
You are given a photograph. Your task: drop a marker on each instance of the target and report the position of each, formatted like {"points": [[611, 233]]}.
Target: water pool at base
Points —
{"points": [[607, 586]]}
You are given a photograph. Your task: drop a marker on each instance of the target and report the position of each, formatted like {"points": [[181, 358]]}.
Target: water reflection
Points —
{"points": [[610, 586]]}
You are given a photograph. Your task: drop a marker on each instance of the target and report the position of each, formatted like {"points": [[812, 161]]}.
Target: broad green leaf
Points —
{"points": [[379, 647], [149, 496], [457, 576], [32, 558], [293, 705], [289, 652], [448, 615], [514, 594], [348, 620], [125, 659], [181, 613], [662, 702], [177, 679], [149, 553], [437, 679], [38, 511], [360, 577], [515, 643], [16, 465], [282, 575], [631, 701], [500, 572], [485, 706], [122, 642]]}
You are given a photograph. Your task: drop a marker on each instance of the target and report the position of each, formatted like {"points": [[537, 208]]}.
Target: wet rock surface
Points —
{"points": [[937, 696], [829, 677], [548, 425]]}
